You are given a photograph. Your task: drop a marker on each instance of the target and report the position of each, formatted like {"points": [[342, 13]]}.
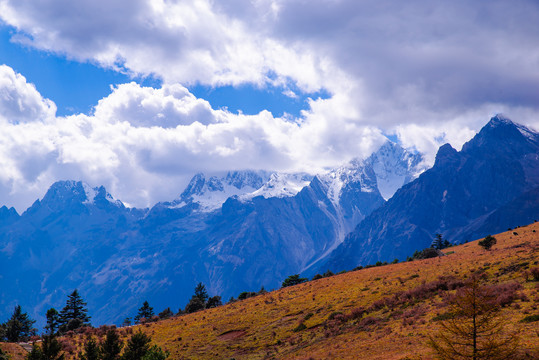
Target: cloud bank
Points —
{"points": [[428, 72]]}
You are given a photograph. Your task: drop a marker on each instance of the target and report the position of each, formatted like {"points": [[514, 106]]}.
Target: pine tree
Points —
{"points": [[201, 293], [19, 326], [155, 353], [293, 280], [194, 305], [165, 314], [214, 301], [144, 312], [475, 330], [53, 321], [35, 353], [137, 346], [51, 348], [112, 346], [438, 242], [91, 350], [74, 314]]}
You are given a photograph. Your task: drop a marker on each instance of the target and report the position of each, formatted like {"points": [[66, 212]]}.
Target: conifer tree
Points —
{"points": [[91, 350], [19, 326], [155, 353], [214, 301], [53, 321], [293, 280], [35, 353], [201, 293], [137, 346], [144, 312], [198, 300], [51, 348], [112, 346], [74, 314], [438, 242]]}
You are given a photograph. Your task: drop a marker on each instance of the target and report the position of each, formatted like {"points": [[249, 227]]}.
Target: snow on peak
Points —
{"points": [[394, 167], [210, 192], [70, 190], [90, 193], [281, 185], [353, 172], [528, 133], [96, 193]]}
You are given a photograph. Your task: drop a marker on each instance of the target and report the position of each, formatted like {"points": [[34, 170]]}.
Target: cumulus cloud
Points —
{"points": [[144, 144], [20, 101], [417, 61], [429, 72]]}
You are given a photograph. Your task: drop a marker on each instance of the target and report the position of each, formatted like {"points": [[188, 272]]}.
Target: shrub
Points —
{"points": [[300, 327], [293, 280], [487, 242], [530, 318], [245, 295]]}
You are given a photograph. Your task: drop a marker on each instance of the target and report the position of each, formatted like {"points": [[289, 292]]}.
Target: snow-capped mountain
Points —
{"points": [[210, 192], [280, 185], [385, 171], [488, 186], [234, 231], [394, 167]]}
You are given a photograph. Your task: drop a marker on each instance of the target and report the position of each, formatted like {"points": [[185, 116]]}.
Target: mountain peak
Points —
{"points": [[210, 192], [73, 192], [501, 134], [445, 153], [500, 119], [394, 166]]}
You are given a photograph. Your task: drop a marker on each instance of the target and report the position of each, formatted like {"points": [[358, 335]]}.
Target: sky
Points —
{"points": [[140, 95]]}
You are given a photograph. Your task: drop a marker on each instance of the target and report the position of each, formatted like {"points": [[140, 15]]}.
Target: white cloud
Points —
{"points": [[430, 72], [20, 101], [144, 144]]}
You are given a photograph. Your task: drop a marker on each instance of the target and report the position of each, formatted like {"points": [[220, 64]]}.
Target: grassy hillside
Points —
{"points": [[384, 312]]}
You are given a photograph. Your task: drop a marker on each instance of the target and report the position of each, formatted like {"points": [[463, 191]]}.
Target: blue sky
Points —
{"points": [[139, 95], [76, 87]]}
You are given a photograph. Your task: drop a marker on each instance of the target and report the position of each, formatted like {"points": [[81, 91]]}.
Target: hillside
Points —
{"points": [[384, 312]]}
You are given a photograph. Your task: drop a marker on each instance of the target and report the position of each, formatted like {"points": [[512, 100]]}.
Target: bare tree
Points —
{"points": [[474, 329]]}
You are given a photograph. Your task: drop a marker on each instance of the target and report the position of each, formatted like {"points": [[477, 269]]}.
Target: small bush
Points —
{"points": [[530, 318], [334, 315], [488, 242], [300, 327], [443, 316]]}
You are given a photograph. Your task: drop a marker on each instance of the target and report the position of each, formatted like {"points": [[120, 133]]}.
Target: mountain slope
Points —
{"points": [[454, 197], [380, 313]]}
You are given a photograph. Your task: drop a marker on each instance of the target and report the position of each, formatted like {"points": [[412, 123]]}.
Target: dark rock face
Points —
{"points": [[466, 195]]}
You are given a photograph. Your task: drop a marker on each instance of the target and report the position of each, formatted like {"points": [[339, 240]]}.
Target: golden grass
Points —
{"points": [[14, 350], [263, 327]]}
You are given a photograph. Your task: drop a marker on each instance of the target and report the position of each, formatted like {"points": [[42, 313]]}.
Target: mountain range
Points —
{"points": [[241, 230], [235, 231], [490, 185]]}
